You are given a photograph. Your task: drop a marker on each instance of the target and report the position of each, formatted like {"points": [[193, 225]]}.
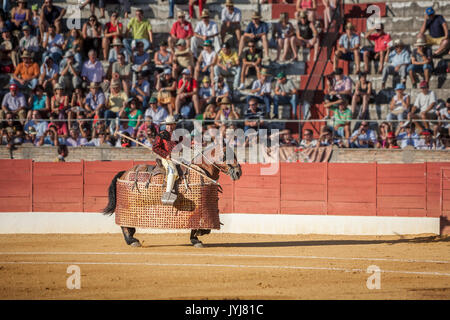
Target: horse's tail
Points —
{"points": [[111, 207]]}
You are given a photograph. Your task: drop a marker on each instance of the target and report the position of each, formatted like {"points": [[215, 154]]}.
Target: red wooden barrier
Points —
{"points": [[16, 186]]}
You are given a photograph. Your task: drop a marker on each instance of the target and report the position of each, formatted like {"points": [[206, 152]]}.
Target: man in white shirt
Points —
{"points": [[205, 30], [261, 90], [424, 106], [230, 18]]}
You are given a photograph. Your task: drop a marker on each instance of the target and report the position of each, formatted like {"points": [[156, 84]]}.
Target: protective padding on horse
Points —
{"points": [[138, 202]]}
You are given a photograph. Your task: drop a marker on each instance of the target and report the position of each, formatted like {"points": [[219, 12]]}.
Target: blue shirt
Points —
{"points": [[404, 140], [435, 26], [353, 41], [397, 59], [95, 103], [262, 28]]}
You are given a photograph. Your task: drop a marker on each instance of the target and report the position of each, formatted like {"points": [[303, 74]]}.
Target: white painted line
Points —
{"points": [[149, 264], [222, 255]]}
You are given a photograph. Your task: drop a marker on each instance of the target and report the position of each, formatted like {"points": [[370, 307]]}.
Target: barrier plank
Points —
{"points": [[351, 209], [305, 192], [16, 185], [303, 207]]}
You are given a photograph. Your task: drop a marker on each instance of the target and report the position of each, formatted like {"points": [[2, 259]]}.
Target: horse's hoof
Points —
{"points": [[136, 244], [199, 245]]}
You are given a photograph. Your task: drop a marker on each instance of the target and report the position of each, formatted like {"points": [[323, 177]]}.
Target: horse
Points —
{"points": [[210, 168]]}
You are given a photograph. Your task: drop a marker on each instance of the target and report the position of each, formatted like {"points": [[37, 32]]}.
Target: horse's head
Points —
{"points": [[225, 161]]}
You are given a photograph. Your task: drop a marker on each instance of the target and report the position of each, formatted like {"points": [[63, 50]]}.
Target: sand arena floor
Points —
{"points": [[230, 266]]}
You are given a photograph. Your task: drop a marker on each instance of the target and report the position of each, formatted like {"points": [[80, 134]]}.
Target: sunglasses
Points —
{"points": [[251, 104]]}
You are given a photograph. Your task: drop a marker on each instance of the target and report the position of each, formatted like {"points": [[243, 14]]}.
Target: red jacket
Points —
{"points": [[163, 147]]}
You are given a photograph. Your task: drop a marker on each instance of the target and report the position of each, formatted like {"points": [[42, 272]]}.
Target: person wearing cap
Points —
{"points": [[49, 73], [262, 90], [251, 61], [379, 52], [111, 31], [95, 102], [141, 89], [141, 31], [205, 30], [183, 59], [117, 48], [181, 29], [426, 141], [306, 36], [166, 85], [206, 92], [201, 5], [70, 71], [26, 74], [156, 112], [363, 137], [256, 30], [35, 19], [15, 103], [163, 58], [187, 91], [397, 62], [230, 18], [283, 31], [163, 146], [228, 65], [421, 61], [20, 15], [348, 48], [285, 93], [437, 29], [92, 70], [226, 114], [51, 15], [406, 135], [424, 105], [400, 104], [28, 42], [206, 61]]}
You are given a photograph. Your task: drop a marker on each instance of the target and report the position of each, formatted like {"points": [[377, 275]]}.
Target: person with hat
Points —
{"points": [[70, 71], [378, 52], [187, 91], [206, 92], [262, 90], [163, 146], [348, 47], [163, 58], [181, 29], [141, 31], [95, 101], [221, 90], [200, 3], [20, 15], [400, 104], [421, 62], [156, 112], [228, 65], [226, 114], [115, 101], [230, 18], [256, 30], [15, 103], [111, 31], [437, 29], [183, 59], [424, 105], [205, 30], [28, 42], [426, 141], [283, 32], [285, 93], [206, 61], [26, 74], [306, 35], [397, 62], [117, 48]]}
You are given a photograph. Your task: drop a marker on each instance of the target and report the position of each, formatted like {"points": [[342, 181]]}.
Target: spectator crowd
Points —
{"points": [[81, 87]]}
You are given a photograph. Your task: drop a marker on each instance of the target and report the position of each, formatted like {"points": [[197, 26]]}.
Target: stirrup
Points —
{"points": [[168, 198]]}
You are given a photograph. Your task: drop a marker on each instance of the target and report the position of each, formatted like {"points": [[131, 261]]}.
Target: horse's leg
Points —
{"points": [[194, 239], [128, 234]]}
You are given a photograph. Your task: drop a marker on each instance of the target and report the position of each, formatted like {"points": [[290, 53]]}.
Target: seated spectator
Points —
{"points": [[92, 70], [326, 138], [147, 133], [206, 92], [35, 19], [421, 62], [148, 124], [363, 94], [221, 90], [230, 19], [306, 36], [426, 141], [262, 90], [112, 31], [206, 62], [228, 65], [283, 32], [286, 139], [364, 137], [36, 122], [200, 4], [226, 114], [308, 141], [406, 135], [20, 15], [14, 102], [121, 70], [166, 86], [49, 74], [38, 102], [187, 91], [51, 15], [437, 27], [339, 87], [309, 7], [157, 113], [140, 61], [252, 58], [8, 54], [285, 93], [123, 127], [74, 43], [443, 114], [424, 106], [59, 102], [50, 137], [183, 59], [205, 30], [254, 116], [28, 42], [208, 116], [27, 73], [70, 72], [141, 32], [379, 51], [256, 30], [390, 142], [398, 61], [181, 30], [163, 58], [383, 129], [399, 107], [134, 114], [342, 117], [141, 89], [74, 139], [348, 48], [116, 100], [52, 42], [92, 36], [117, 49], [95, 102]]}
